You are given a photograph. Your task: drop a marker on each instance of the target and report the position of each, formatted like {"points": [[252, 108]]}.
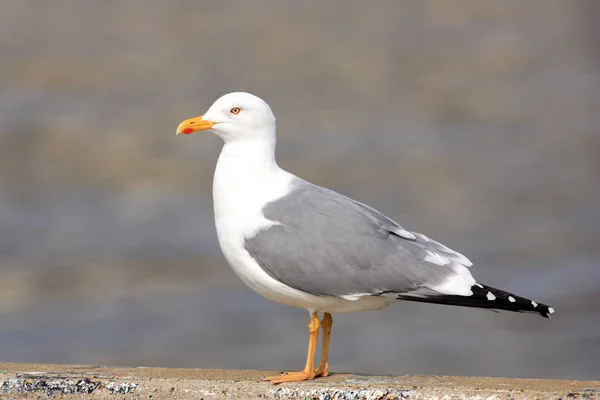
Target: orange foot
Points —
{"points": [[322, 371], [290, 377]]}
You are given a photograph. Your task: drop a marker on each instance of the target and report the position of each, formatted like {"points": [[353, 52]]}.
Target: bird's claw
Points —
{"points": [[290, 377]]}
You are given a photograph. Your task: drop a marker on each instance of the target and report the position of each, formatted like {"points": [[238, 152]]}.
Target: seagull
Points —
{"points": [[306, 246]]}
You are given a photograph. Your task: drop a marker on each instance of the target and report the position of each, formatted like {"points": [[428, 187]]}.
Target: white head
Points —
{"points": [[235, 116]]}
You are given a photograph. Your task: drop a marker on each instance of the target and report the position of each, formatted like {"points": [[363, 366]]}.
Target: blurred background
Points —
{"points": [[474, 122]]}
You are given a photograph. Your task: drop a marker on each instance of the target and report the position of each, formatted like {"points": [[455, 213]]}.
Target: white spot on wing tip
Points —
{"points": [[490, 296], [533, 303], [550, 310], [511, 299]]}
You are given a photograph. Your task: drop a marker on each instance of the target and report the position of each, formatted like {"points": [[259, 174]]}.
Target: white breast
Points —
{"points": [[240, 191]]}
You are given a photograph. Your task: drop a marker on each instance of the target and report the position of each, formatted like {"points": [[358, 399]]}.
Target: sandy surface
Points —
{"points": [[99, 382]]}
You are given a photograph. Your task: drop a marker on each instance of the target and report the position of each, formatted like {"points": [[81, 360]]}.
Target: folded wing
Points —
{"points": [[326, 244]]}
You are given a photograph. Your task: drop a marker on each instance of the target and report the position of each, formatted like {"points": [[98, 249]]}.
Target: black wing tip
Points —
{"points": [[488, 297], [546, 311], [502, 300]]}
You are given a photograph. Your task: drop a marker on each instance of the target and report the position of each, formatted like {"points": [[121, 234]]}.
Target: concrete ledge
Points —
{"points": [[96, 382]]}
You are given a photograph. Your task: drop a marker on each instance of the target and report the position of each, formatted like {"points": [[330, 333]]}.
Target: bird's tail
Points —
{"points": [[488, 297]]}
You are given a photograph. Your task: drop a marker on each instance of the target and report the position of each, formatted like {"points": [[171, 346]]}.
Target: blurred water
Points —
{"points": [[475, 124]]}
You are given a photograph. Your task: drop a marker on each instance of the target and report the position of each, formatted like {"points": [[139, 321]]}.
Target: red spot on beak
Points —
{"points": [[187, 131]]}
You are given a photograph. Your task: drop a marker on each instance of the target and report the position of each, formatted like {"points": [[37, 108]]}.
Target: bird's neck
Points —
{"points": [[248, 157], [244, 167], [246, 178]]}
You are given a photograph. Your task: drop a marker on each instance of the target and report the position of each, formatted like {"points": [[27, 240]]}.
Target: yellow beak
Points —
{"points": [[194, 124]]}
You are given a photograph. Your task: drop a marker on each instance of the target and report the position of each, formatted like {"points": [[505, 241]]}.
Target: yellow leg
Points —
{"points": [[323, 368], [309, 369]]}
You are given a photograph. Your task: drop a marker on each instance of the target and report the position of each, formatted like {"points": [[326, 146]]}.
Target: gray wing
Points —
{"points": [[328, 244]]}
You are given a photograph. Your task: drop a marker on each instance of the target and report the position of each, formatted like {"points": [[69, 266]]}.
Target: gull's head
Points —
{"points": [[234, 116]]}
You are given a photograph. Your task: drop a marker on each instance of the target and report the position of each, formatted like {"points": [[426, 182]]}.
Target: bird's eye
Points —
{"points": [[235, 110]]}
